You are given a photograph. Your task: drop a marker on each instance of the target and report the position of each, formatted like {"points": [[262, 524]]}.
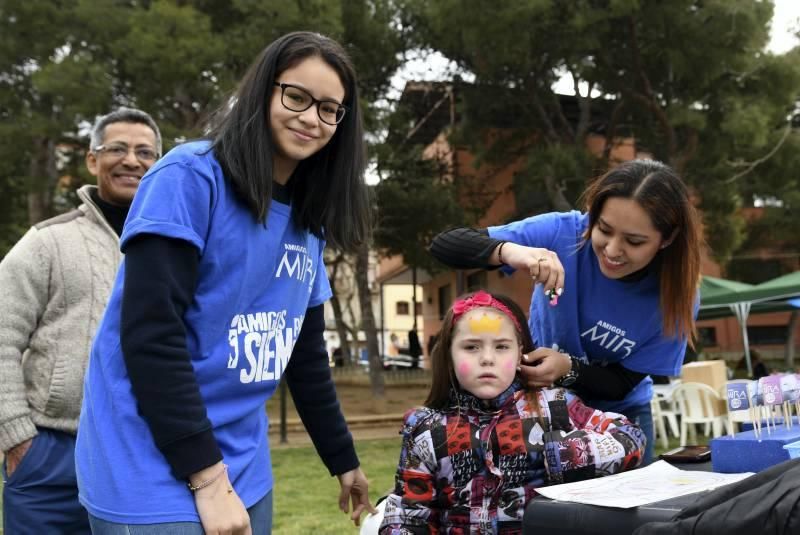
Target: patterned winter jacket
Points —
{"points": [[473, 467]]}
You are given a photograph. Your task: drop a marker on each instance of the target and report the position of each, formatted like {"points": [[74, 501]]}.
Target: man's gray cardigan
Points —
{"points": [[54, 286]]}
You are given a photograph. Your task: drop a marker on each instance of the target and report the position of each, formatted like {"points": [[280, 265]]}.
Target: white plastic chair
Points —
{"points": [[696, 403], [661, 417]]}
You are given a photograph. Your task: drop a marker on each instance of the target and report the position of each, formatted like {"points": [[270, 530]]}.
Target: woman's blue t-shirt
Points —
{"points": [[599, 320], [255, 282]]}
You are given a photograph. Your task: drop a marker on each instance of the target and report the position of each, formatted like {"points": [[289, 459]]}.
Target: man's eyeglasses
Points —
{"points": [[296, 98], [120, 150]]}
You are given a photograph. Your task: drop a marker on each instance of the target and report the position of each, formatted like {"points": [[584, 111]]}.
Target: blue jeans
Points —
{"points": [[643, 417], [260, 520], [41, 495]]}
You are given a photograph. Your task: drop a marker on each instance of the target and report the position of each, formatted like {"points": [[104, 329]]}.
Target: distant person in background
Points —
{"points": [[414, 348], [54, 285], [394, 346], [338, 357], [759, 368]]}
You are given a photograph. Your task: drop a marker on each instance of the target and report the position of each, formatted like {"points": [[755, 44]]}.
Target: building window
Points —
{"points": [[767, 335], [707, 336], [401, 308], [477, 281], [418, 308], [444, 300]]}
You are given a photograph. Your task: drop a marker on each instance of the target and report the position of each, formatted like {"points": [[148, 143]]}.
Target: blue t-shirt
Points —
{"points": [[255, 282], [599, 320]]}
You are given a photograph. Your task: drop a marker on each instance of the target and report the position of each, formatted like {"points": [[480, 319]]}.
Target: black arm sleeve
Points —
{"points": [[467, 248], [308, 376], [611, 382], [464, 248], [160, 279]]}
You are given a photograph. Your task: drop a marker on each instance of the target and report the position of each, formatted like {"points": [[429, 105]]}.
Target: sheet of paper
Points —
{"points": [[659, 481]]}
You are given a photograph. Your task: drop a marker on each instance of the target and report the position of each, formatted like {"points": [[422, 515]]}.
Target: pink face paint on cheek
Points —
{"points": [[464, 368], [510, 365]]}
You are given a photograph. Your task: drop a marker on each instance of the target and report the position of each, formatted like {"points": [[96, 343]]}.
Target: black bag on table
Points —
{"points": [[766, 503]]}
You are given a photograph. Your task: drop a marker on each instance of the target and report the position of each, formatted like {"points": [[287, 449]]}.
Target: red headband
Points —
{"points": [[481, 299]]}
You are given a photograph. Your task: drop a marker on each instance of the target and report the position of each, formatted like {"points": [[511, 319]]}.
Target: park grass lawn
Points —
{"points": [[305, 496]]}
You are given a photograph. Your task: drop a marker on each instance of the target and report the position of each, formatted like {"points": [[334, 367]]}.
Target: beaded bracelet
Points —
{"points": [[207, 482]]}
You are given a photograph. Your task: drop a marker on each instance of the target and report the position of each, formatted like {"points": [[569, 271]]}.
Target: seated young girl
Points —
{"points": [[474, 455]]}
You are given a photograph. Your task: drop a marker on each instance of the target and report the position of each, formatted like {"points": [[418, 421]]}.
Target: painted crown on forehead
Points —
{"points": [[486, 324], [482, 299]]}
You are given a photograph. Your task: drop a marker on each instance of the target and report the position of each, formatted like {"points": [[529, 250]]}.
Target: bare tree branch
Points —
{"points": [[550, 130], [611, 129], [584, 108], [447, 97], [555, 191], [749, 166]]}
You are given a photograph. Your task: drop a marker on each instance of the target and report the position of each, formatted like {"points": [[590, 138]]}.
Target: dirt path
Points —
{"points": [[358, 404]]}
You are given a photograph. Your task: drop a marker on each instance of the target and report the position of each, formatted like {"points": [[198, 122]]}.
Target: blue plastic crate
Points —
{"points": [[746, 452]]}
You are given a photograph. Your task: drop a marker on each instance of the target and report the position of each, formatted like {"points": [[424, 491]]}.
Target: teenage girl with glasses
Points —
{"points": [[220, 296]]}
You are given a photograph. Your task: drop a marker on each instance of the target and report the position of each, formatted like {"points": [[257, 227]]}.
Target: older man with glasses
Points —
{"points": [[54, 285]]}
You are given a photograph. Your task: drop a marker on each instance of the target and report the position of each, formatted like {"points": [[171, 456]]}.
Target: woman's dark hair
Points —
{"points": [[443, 375], [329, 196], [665, 198]]}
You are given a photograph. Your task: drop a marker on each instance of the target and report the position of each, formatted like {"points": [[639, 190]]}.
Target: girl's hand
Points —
{"points": [[544, 366], [542, 264], [220, 508], [355, 487]]}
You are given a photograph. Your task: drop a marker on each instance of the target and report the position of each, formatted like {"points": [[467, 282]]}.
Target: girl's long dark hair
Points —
{"points": [[664, 196], [443, 376], [329, 196]]}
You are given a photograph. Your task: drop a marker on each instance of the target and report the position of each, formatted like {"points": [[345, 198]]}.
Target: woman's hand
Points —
{"points": [[542, 264], [220, 508], [543, 367], [355, 487]]}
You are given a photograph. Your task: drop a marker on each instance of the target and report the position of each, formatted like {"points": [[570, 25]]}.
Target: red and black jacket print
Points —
{"points": [[473, 467]]}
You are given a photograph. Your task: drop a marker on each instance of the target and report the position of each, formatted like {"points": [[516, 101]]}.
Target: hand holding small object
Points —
{"points": [[543, 265], [543, 366]]}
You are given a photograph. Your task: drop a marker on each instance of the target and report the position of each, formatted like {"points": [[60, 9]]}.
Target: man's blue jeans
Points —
{"points": [[260, 520]]}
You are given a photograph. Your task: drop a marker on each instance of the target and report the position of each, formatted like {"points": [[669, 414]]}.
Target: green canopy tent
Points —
{"points": [[719, 296], [783, 287], [719, 293]]}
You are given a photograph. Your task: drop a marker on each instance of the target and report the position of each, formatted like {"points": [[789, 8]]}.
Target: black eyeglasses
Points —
{"points": [[296, 98], [118, 151]]}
